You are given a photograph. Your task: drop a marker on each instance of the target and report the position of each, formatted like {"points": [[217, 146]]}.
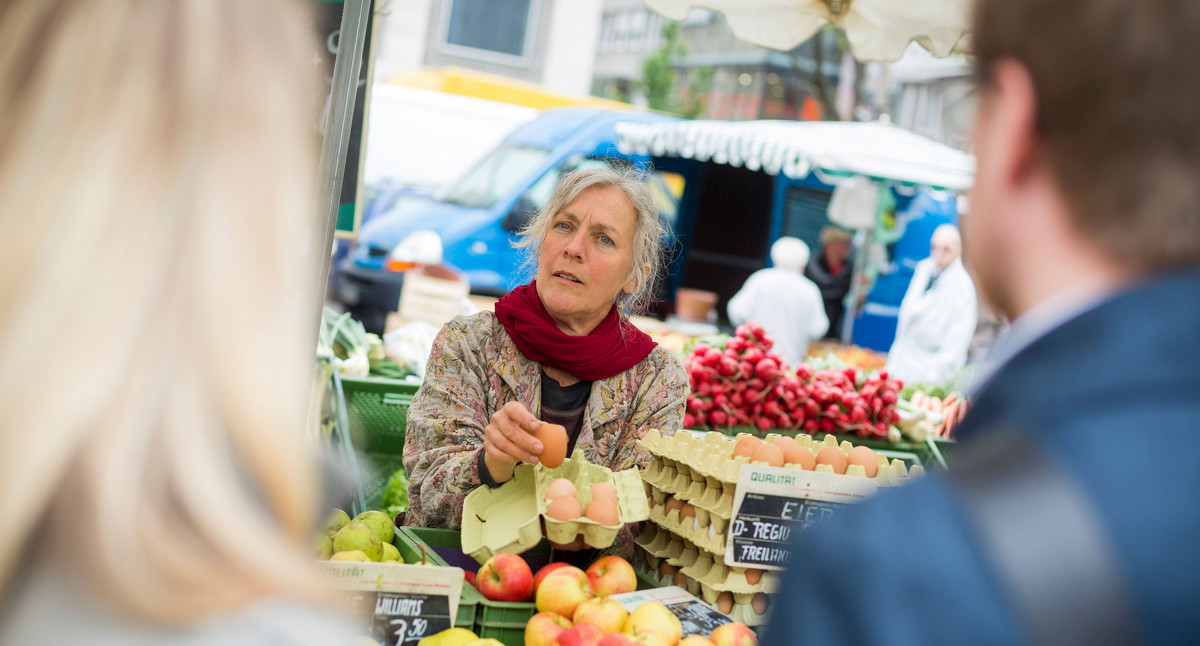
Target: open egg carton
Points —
{"points": [[509, 518], [741, 593]]}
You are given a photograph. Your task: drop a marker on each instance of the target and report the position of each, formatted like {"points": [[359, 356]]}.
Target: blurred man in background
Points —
{"points": [[831, 271], [1064, 518], [783, 301], [937, 315]]}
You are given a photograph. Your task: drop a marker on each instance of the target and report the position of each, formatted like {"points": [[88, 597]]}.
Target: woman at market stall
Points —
{"points": [[156, 308], [559, 349]]}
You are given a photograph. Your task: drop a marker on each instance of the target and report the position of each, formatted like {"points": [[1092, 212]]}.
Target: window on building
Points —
{"points": [[490, 27]]}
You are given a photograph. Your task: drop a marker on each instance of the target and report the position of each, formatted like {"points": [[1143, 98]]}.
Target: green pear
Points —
{"points": [[357, 536], [390, 553], [336, 520], [352, 555], [380, 522], [324, 546]]}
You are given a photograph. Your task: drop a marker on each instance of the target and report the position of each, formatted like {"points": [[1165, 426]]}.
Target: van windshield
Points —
{"points": [[497, 175]]}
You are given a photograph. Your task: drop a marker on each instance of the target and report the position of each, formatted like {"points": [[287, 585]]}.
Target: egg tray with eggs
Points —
{"points": [[686, 461], [738, 592], [692, 522], [508, 518]]}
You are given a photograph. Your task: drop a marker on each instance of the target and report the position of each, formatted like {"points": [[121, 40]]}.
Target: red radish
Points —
{"points": [[718, 418], [766, 369], [764, 424], [689, 420]]}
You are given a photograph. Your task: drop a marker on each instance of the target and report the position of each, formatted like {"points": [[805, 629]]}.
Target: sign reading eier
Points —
{"points": [[773, 504]]}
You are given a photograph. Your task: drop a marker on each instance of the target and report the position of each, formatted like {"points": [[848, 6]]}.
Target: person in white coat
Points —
{"points": [[781, 299], [937, 315]]}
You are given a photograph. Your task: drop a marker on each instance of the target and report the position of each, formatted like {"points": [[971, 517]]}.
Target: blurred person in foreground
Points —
{"points": [[156, 303], [937, 316], [559, 349], [1085, 231], [783, 301], [831, 271]]}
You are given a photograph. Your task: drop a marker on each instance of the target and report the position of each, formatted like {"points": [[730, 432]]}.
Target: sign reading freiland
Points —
{"points": [[405, 603], [773, 504]]}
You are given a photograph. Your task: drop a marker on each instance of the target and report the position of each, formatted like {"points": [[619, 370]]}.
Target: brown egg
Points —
{"points": [[864, 457], [725, 602], [687, 511], [666, 569], [604, 490], [801, 456], [680, 579], [554, 444], [604, 512], [834, 457], [768, 453], [745, 446], [672, 503], [559, 488], [753, 576], [760, 603], [786, 442], [564, 508]]}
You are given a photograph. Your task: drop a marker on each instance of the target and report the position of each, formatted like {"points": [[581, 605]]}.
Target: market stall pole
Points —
{"points": [[338, 121]]}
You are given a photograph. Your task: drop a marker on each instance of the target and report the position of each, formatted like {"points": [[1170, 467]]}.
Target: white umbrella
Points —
{"points": [[878, 30]]}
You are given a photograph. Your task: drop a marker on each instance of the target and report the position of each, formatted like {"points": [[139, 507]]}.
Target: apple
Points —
{"points": [[734, 634], [612, 575], [469, 577], [545, 572], [649, 638], [563, 590], [544, 628], [581, 635], [505, 577], [653, 617], [617, 639], [602, 611], [695, 640]]}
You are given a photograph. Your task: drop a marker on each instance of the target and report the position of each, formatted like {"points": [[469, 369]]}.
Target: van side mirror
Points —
{"points": [[520, 215]]}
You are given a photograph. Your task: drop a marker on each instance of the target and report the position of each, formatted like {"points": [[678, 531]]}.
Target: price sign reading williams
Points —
{"points": [[773, 504], [405, 603]]}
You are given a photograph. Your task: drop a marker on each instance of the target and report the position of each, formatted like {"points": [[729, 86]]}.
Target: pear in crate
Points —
{"points": [[357, 536], [378, 521]]}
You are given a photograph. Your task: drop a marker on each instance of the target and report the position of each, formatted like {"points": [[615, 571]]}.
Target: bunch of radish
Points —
{"points": [[745, 384]]}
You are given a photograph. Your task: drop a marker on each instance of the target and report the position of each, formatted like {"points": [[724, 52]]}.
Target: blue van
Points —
{"points": [[476, 218]]}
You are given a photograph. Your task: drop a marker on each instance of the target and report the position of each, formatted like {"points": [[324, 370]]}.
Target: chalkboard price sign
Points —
{"points": [[405, 603], [696, 617], [407, 618], [773, 505]]}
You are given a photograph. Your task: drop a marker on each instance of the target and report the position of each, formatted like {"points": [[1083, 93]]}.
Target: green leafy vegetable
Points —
{"points": [[395, 494]]}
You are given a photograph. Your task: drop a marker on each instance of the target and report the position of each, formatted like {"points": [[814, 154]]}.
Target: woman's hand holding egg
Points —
{"points": [[509, 439]]}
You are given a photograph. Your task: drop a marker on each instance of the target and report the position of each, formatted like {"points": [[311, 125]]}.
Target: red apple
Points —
{"points": [[505, 577], [563, 591], [654, 617], [470, 578], [602, 611], [734, 634], [545, 572], [581, 635], [544, 628], [612, 575]]}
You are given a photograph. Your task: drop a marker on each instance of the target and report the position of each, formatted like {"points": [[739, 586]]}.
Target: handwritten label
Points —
{"points": [[696, 617], [405, 603], [772, 505]]}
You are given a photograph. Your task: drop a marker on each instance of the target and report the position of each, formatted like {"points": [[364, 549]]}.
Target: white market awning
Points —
{"points": [[831, 150], [878, 30]]}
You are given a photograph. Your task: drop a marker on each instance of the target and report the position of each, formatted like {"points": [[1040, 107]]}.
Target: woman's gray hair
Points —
{"points": [[646, 263]]}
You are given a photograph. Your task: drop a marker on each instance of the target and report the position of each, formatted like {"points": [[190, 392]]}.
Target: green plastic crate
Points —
{"points": [[469, 599], [501, 620], [377, 412]]}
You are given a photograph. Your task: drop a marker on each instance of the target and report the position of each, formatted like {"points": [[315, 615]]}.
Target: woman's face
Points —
{"points": [[585, 259]]}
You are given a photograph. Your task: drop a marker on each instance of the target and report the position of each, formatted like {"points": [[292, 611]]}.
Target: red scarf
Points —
{"points": [[599, 355]]}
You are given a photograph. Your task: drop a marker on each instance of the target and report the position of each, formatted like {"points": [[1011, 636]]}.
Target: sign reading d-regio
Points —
{"points": [[772, 505]]}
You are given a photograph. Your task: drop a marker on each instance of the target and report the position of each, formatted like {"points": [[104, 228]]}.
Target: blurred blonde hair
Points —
{"points": [[157, 273]]}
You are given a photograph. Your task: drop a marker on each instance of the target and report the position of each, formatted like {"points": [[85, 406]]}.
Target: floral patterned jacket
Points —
{"points": [[475, 369]]}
